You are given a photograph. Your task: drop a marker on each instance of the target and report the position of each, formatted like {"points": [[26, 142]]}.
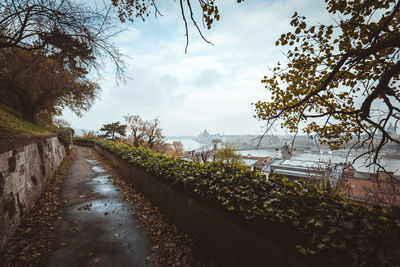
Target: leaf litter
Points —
{"points": [[170, 246], [35, 238]]}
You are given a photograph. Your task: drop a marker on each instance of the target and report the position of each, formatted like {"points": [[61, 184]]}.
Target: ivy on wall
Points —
{"points": [[327, 225]]}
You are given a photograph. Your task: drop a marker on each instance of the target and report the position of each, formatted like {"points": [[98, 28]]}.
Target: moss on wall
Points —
{"points": [[12, 164]]}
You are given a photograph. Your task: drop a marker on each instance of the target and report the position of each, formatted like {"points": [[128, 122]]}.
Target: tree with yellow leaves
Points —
{"points": [[342, 80]]}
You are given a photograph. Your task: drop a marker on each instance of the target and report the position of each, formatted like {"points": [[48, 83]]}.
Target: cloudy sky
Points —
{"points": [[212, 86]]}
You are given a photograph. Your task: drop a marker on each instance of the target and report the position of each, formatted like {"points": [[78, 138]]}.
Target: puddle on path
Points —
{"points": [[102, 179], [100, 206], [101, 225], [98, 169], [91, 161]]}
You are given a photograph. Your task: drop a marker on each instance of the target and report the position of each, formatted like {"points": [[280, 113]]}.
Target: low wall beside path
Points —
{"points": [[27, 164], [233, 240]]}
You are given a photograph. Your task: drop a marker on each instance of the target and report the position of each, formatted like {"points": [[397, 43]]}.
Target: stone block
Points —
{"points": [[20, 188], [4, 161]]}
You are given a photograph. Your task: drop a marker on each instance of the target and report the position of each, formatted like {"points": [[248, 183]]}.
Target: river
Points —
{"points": [[390, 164], [188, 144]]}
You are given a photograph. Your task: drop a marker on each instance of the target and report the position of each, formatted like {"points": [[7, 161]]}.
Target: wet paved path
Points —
{"points": [[96, 228]]}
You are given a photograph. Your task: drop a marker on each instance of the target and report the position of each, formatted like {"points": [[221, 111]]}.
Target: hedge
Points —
{"points": [[330, 226]]}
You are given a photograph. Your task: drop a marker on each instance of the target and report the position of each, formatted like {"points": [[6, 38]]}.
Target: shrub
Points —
{"points": [[65, 137]]}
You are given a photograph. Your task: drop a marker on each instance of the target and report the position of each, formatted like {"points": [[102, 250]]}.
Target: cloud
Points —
{"points": [[212, 86]]}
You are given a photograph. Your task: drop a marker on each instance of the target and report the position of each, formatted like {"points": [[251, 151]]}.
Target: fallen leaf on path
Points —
{"points": [[85, 207], [171, 247]]}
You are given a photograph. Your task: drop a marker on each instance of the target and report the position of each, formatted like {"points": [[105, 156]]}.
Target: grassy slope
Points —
{"points": [[12, 124]]}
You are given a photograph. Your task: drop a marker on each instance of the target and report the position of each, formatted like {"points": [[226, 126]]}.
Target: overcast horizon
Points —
{"points": [[212, 86]]}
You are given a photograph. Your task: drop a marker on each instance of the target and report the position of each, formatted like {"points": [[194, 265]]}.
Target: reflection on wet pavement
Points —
{"points": [[102, 185], [92, 161], [102, 179], [98, 169], [99, 224]]}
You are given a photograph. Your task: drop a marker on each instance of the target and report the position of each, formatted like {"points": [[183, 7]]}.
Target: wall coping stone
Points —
{"points": [[12, 142]]}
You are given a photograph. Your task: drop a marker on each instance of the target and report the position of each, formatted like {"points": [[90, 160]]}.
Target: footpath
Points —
{"points": [[96, 226], [91, 216]]}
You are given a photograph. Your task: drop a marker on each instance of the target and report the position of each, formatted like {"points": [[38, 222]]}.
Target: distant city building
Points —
{"points": [[250, 164], [302, 169], [204, 137], [255, 163]]}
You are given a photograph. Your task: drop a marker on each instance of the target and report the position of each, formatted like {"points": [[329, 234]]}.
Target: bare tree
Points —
{"points": [[61, 123], [137, 127], [143, 132], [383, 188], [204, 156], [153, 132], [330, 176], [178, 147], [72, 33]]}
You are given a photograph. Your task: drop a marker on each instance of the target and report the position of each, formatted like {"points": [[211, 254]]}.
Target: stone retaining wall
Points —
{"points": [[236, 241], [26, 166]]}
